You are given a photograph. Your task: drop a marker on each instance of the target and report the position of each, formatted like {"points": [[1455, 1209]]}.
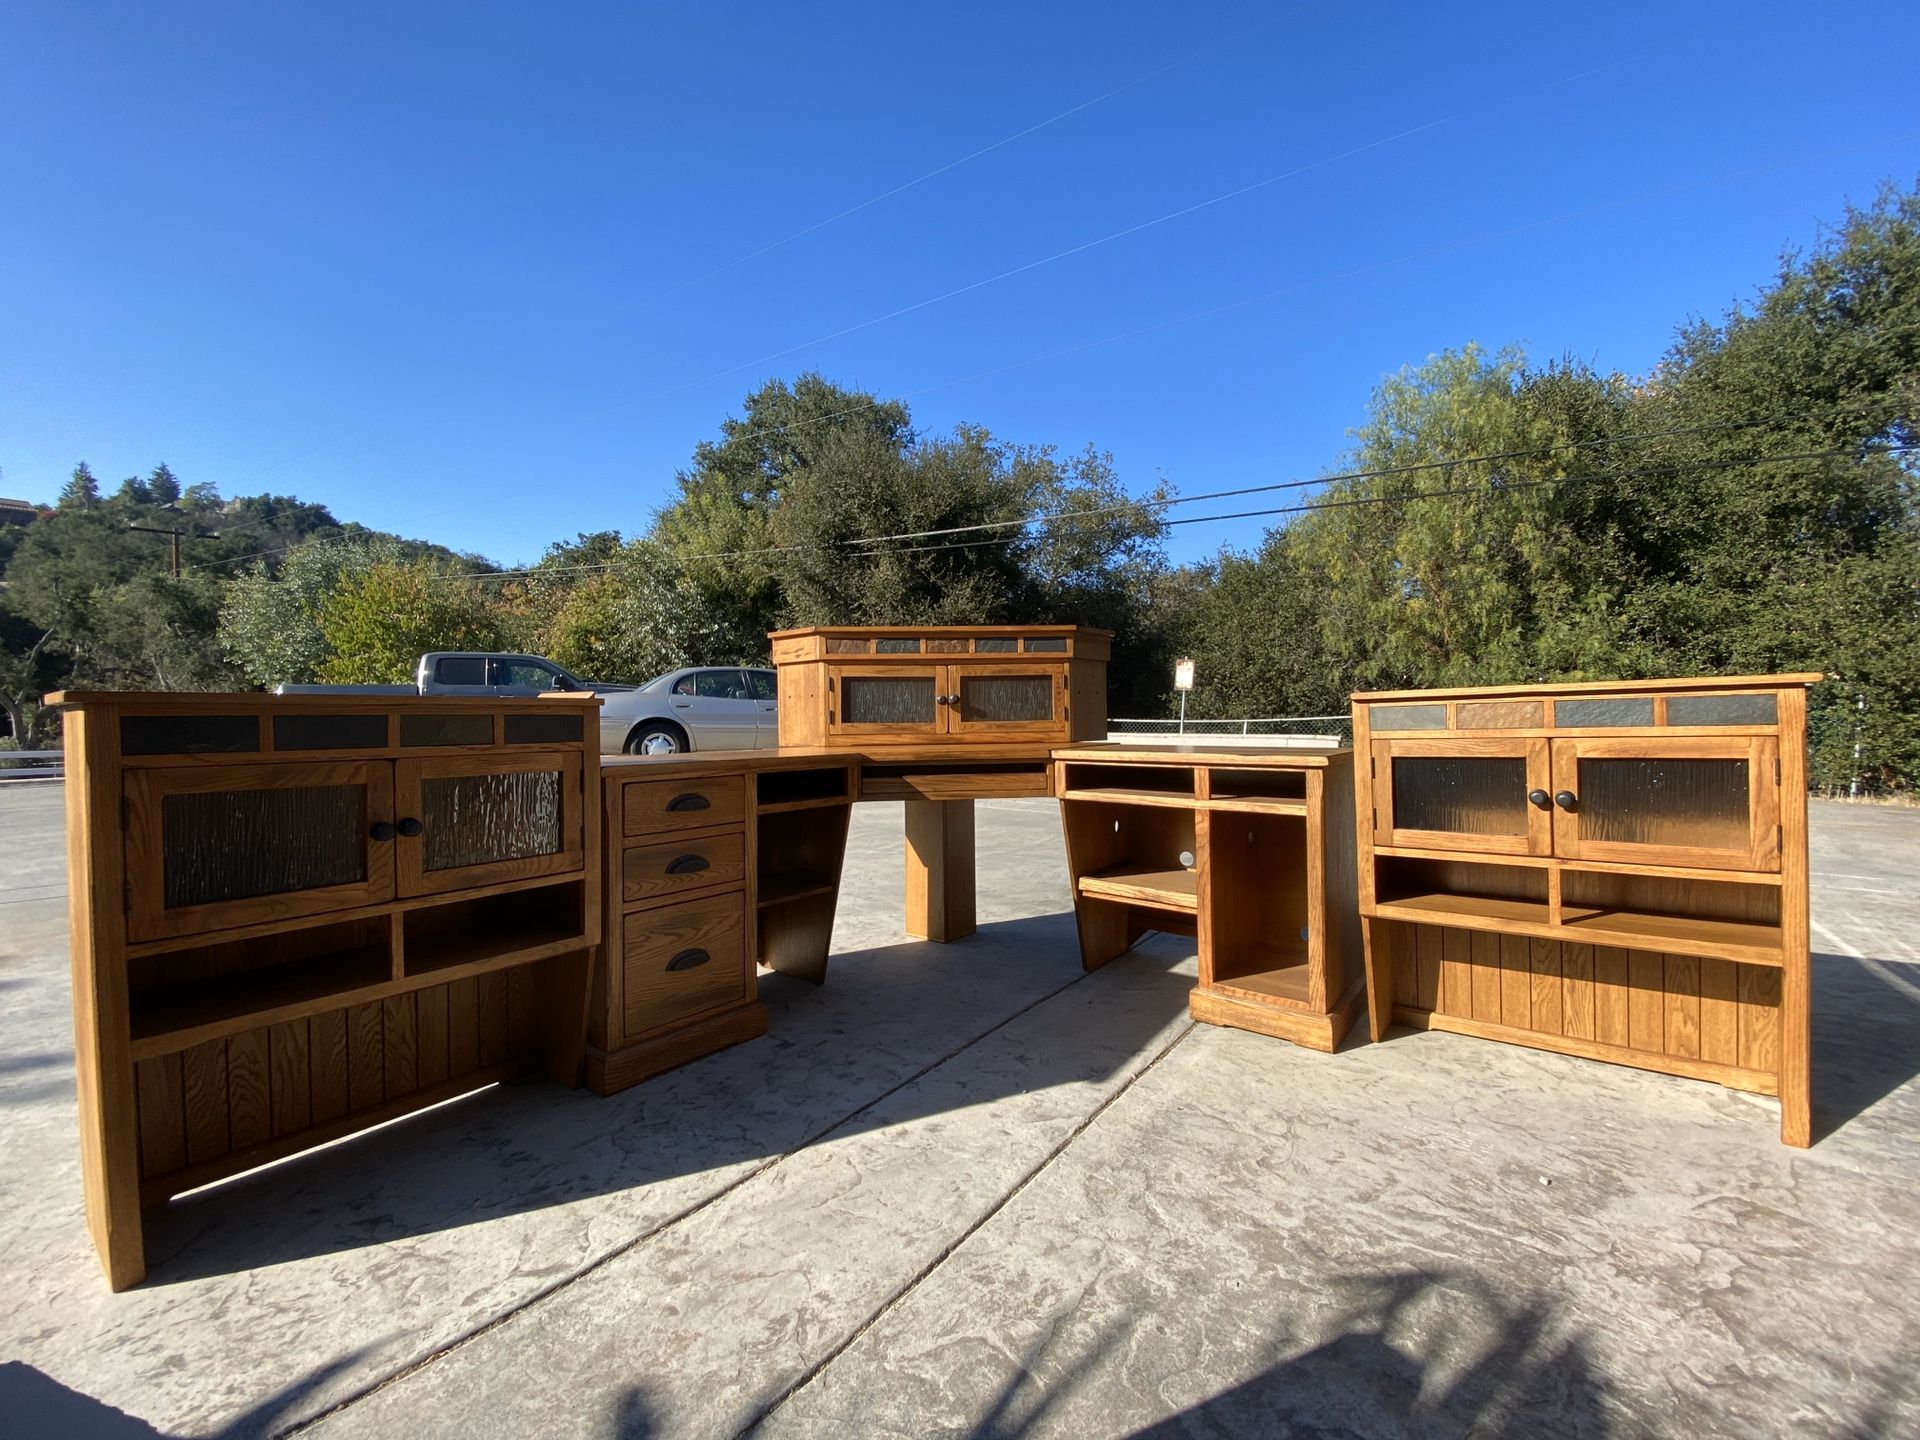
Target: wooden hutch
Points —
{"points": [[940, 716], [1614, 870], [293, 918], [1250, 849]]}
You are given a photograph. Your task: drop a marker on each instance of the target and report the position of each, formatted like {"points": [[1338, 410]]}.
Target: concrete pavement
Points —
{"points": [[967, 1190]]}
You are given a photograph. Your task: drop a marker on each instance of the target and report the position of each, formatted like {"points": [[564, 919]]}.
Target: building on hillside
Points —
{"points": [[18, 512]]}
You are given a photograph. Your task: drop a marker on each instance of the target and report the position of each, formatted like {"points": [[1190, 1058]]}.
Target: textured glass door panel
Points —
{"points": [[482, 819], [887, 700], [1468, 795], [467, 729], [995, 646], [893, 645], [220, 845], [1006, 699], [1701, 804], [1408, 717]]}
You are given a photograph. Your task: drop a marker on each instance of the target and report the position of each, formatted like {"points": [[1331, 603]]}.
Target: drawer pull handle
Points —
{"points": [[687, 865], [689, 801], [688, 959]]}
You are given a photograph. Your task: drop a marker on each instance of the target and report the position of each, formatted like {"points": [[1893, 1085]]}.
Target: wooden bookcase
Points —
{"points": [[293, 918], [1613, 870], [713, 863], [1250, 850], [941, 716]]}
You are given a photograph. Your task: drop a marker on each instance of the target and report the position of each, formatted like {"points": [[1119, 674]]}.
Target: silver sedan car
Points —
{"points": [[705, 707]]}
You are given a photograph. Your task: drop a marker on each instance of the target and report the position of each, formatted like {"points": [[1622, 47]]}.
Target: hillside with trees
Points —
{"points": [[1747, 507]]}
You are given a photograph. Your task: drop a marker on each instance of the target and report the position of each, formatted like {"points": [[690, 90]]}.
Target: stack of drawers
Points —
{"points": [[677, 969]]}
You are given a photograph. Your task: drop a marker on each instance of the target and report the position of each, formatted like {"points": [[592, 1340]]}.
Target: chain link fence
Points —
{"points": [[1323, 729]]}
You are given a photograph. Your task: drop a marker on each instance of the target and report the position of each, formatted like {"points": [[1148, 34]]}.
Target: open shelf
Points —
{"points": [[493, 927], [1469, 912], [784, 889], [198, 1010], [1748, 941], [954, 781], [1268, 971], [1158, 889], [802, 789], [799, 856], [1131, 784], [1259, 785]]}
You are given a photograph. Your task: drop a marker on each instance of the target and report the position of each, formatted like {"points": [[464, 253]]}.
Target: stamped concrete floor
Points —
{"points": [[966, 1190]]}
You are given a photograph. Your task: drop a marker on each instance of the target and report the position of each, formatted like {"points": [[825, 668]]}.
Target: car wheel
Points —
{"points": [[657, 737]]}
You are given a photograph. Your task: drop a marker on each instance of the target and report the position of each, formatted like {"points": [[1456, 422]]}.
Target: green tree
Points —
{"points": [[162, 486], [269, 625], [82, 492], [379, 620], [637, 617]]}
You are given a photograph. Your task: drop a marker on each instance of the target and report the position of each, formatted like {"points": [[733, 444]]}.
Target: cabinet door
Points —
{"points": [[1488, 796], [1010, 700], [209, 849], [882, 701], [1712, 802], [472, 820]]}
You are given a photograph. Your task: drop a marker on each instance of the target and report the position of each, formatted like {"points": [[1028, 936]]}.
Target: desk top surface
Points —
{"points": [[1205, 751]]}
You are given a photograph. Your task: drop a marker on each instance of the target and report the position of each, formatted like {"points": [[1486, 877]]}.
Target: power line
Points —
{"points": [[1386, 472], [1123, 233], [973, 155]]}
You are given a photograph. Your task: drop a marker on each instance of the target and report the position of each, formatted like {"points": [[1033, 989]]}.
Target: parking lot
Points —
{"points": [[970, 1190]]}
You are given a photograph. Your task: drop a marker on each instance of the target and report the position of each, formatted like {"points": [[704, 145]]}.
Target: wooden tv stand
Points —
{"points": [[1250, 849]]}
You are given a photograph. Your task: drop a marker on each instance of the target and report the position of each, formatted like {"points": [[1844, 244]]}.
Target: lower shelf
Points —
{"points": [[1137, 885], [187, 1014], [1271, 972], [1747, 941], [784, 889]]}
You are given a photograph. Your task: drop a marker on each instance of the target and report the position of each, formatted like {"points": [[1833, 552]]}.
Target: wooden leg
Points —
{"points": [[940, 869], [1376, 939]]}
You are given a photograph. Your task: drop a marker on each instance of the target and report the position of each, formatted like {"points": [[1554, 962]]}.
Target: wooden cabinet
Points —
{"points": [[718, 866], [942, 687], [1250, 850], [227, 845], [1610, 870], [293, 918]]}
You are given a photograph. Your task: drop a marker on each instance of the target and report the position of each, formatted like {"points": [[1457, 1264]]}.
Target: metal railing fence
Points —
{"points": [[1335, 728], [31, 765]]}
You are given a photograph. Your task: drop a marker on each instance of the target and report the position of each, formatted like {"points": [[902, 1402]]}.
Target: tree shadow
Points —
{"points": [[1423, 1353], [1865, 1037], [33, 1403], [865, 1051]]}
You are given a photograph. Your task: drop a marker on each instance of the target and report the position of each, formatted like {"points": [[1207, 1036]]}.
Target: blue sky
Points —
{"points": [[425, 263]]}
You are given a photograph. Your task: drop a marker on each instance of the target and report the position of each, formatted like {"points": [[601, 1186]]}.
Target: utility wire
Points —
{"points": [[973, 155], [1848, 452], [1123, 233]]}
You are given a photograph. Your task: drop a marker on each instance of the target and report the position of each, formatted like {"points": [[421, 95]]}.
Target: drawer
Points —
{"points": [[683, 960], [695, 804], [651, 872]]}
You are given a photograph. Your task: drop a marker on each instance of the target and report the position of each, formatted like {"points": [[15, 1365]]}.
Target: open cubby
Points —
{"points": [[953, 781], [1146, 783], [1141, 856], [1465, 890], [470, 932], [1259, 785], [800, 855], [1257, 876], [790, 787], [1665, 910], [187, 990]]}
